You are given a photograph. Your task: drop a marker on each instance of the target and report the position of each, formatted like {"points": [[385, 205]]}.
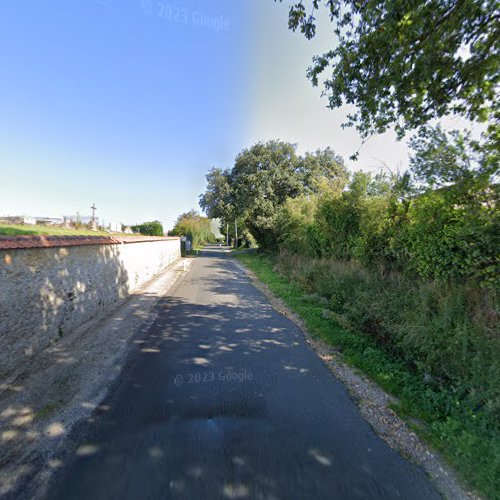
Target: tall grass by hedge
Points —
{"points": [[445, 331]]}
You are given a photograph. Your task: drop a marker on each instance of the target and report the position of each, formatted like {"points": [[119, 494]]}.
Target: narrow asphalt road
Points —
{"points": [[224, 399]]}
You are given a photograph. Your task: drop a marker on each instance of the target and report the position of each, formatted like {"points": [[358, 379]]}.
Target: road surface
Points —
{"points": [[224, 399]]}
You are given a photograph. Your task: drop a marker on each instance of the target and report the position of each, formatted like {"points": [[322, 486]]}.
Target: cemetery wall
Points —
{"points": [[50, 286]]}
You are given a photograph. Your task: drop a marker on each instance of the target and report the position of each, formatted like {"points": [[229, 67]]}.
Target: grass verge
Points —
{"points": [[468, 440], [26, 229]]}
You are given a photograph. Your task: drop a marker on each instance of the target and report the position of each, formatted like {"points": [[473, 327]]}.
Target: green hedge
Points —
{"points": [[153, 228], [450, 233]]}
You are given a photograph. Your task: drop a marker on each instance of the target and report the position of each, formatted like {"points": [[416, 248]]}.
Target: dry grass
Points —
{"points": [[26, 229]]}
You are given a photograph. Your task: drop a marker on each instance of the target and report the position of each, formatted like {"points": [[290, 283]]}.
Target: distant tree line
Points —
{"points": [[439, 219], [262, 179]]}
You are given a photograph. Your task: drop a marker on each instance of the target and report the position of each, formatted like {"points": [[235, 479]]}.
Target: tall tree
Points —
{"points": [[217, 200], [443, 158], [264, 176], [405, 63], [323, 170]]}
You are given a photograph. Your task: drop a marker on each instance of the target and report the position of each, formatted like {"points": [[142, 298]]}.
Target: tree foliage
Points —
{"points": [[443, 158], [195, 227], [217, 200], [440, 220], [263, 177], [405, 63], [153, 228]]}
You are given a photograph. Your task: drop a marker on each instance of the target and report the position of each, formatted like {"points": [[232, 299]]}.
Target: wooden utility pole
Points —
{"points": [[227, 234], [235, 233]]}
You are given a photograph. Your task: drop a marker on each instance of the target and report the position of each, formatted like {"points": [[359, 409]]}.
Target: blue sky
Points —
{"points": [[128, 103]]}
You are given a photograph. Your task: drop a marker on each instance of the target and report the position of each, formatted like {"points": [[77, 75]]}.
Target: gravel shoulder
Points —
{"points": [[374, 404], [64, 384]]}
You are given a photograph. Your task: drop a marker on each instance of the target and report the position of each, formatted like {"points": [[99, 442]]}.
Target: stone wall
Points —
{"points": [[51, 286]]}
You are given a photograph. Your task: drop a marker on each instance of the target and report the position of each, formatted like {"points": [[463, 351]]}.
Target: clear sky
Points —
{"points": [[128, 103]]}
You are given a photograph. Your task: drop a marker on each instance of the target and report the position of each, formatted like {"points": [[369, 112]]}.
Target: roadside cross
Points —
{"points": [[93, 207]]}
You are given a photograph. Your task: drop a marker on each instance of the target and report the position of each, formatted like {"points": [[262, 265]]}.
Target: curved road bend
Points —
{"points": [[224, 399]]}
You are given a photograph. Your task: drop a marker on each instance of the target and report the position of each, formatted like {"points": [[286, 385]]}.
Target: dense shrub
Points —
{"points": [[153, 228], [452, 233], [449, 233], [298, 226], [195, 227]]}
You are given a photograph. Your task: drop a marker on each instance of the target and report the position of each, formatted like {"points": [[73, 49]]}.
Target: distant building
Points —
{"points": [[17, 219], [49, 221], [32, 220]]}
